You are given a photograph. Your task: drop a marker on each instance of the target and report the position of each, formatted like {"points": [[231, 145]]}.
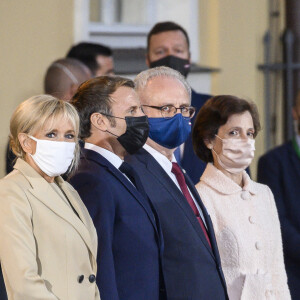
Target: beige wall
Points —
{"points": [[33, 34], [36, 32], [231, 33]]}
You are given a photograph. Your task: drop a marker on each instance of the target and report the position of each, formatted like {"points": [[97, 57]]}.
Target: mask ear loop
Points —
{"points": [[112, 117], [218, 158]]}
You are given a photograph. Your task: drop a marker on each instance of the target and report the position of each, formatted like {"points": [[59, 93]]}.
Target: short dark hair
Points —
{"points": [[94, 96], [166, 26], [215, 113], [87, 54]]}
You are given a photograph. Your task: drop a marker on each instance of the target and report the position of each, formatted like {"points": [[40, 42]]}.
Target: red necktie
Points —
{"points": [[181, 181]]}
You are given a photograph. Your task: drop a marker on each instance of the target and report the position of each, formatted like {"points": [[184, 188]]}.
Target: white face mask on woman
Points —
{"points": [[236, 154], [52, 157]]}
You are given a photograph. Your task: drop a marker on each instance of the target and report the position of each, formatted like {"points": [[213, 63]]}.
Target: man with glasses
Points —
{"points": [[191, 263]]}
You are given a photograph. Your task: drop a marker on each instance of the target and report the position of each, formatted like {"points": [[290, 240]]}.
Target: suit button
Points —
{"points": [[258, 246], [80, 278], [92, 278], [245, 195], [251, 220]]}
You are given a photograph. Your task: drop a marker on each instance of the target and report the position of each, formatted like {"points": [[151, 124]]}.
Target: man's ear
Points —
{"points": [[99, 121], [28, 145]]}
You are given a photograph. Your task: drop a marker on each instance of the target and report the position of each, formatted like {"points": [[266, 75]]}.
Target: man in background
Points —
{"points": [[64, 76], [168, 45], [280, 170], [98, 58]]}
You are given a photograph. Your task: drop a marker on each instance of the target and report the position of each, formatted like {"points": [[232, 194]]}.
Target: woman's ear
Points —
{"points": [[208, 144], [99, 121], [28, 145]]}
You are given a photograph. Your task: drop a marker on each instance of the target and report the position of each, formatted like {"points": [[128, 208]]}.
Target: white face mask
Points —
{"points": [[52, 157], [236, 155]]}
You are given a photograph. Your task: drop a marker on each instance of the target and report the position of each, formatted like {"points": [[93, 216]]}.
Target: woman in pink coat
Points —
{"points": [[243, 212]]}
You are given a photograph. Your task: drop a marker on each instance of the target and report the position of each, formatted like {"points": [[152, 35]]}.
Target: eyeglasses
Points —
{"points": [[169, 111]]}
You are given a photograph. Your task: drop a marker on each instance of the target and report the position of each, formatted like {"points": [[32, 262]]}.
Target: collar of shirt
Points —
{"points": [[164, 162], [114, 159], [167, 167]]}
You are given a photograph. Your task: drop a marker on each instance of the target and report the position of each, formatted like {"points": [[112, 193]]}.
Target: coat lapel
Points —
{"points": [[153, 166], [99, 159], [42, 190]]}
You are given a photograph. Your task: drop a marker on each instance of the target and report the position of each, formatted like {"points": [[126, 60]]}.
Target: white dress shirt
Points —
{"points": [[114, 159], [166, 164]]}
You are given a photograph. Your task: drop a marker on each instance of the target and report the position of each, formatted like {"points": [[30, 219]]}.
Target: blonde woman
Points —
{"points": [[48, 242], [243, 212]]}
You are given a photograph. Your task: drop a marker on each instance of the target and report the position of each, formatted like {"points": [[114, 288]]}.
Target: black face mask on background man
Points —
{"points": [[136, 133], [179, 64]]}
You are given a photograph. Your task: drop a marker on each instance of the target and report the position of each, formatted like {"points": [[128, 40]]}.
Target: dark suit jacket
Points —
{"points": [[129, 242], [280, 170], [193, 165], [3, 295], [192, 270]]}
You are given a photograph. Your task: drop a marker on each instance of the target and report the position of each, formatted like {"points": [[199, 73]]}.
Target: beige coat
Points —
{"points": [[44, 246], [248, 235]]}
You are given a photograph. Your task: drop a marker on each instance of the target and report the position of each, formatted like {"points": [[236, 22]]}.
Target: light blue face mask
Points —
{"points": [[169, 132]]}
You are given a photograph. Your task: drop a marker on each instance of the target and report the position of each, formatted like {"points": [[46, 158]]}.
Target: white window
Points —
{"points": [[126, 23]]}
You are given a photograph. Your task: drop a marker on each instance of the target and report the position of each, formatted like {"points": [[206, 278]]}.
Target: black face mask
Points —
{"points": [[136, 133], [176, 63]]}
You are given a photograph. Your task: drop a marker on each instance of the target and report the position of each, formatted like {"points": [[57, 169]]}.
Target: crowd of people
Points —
{"points": [[125, 189]]}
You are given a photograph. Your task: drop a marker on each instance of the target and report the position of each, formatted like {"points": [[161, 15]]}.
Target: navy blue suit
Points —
{"points": [[192, 270], [190, 162], [129, 244], [280, 170]]}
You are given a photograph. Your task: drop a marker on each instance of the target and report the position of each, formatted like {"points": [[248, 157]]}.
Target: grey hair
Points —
{"points": [[142, 78]]}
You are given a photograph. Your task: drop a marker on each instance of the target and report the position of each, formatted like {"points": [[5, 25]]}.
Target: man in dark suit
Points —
{"points": [[280, 170], [168, 45], [191, 263], [112, 125]]}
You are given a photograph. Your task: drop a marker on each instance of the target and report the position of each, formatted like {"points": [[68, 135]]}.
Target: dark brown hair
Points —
{"points": [[166, 26], [87, 53], [215, 113], [94, 96]]}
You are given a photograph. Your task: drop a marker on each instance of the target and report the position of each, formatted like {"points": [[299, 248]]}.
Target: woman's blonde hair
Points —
{"points": [[32, 115]]}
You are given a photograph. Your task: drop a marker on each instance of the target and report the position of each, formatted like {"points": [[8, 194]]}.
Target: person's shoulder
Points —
{"points": [[14, 192], [262, 191], [277, 152], [14, 179], [201, 96]]}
